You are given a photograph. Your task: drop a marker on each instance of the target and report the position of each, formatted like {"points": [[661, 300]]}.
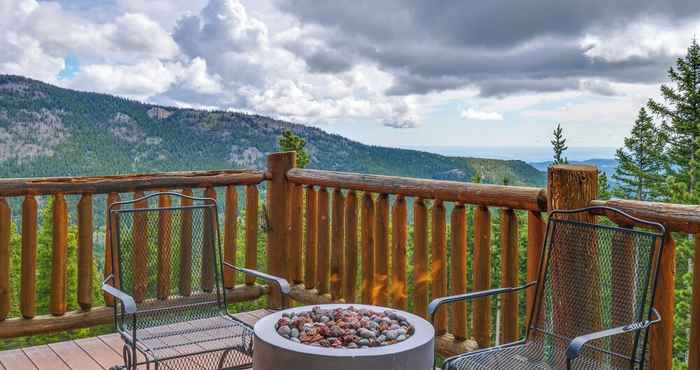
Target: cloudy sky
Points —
{"points": [[390, 72]]}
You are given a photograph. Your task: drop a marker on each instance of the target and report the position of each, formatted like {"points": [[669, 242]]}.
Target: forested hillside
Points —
{"points": [[50, 131]]}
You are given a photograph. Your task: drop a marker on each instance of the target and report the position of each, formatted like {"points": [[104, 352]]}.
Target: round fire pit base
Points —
{"points": [[273, 352]]}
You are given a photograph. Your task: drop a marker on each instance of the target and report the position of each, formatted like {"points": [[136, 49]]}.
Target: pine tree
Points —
{"points": [[603, 186], [641, 161], [291, 142], [559, 146], [680, 113]]}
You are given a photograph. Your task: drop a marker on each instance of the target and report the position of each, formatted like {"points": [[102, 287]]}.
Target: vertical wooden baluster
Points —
{"points": [[421, 276], [535, 241], [623, 291], [164, 247], [296, 233], [458, 253], [230, 235], [323, 242], [694, 345], [367, 220], [337, 247], [251, 230], [57, 298], [510, 328], [5, 226], [661, 338], [28, 281], [380, 291], [481, 308], [399, 290], [209, 245], [85, 265], [109, 269], [350, 278], [438, 266], [185, 276], [311, 237], [140, 252]]}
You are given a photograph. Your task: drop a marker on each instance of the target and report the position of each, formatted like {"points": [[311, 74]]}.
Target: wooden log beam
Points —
{"points": [[311, 240], [28, 270], [661, 337], [380, 289], [448, 345], [127, 183], [510, 328], [278, 212], [516, 197], [438, 266], [337, 246], [5, 229], [535, 241], [458, 254], [399, 233], [350, 276], [421, 274], [481, 307], [230, 234], [17, 327], [324, 242], [109, 261], [296, 233], [85, 264], [251, 230], [684, 218], [367, 220]]}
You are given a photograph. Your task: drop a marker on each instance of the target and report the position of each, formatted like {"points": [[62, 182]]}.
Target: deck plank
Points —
{"points": [[74, 356], [115, 342], [45, 358], [100, 352], [16, 359]]}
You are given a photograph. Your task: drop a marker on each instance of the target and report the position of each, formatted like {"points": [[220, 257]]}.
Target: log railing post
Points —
{"points": [[85, 265], [438, 265], [230, 234], [164, 247], [57, 299], [350, 277], [185, 281], [324, 242], [535, 241], [337, 247], [251, 230], [421, 275], [459, 270], [311, 239], [367, 220], [481, 307], [509, 276], [380, 289], [109, 269], [28, 272], [572, 187], [140, 255], [296, 233], [661, 336], [278, 213], [399, 289], [5, 225], [694, 345]]}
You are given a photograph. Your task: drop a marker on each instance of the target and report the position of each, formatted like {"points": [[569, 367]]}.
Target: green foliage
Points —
{"points": [[641, 162], [603, 186], [289, 142], [559, 145], [680, 113]]}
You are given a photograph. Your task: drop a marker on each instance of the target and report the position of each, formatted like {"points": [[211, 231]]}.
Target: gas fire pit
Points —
{"points": [[343, 337]]}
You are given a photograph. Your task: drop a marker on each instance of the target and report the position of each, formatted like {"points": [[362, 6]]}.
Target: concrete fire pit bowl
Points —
{"points": [[274, 352]]}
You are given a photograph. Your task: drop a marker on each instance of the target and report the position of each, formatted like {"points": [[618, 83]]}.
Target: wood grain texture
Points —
{"points": [[28, 270], [350, 271], [421, 273], [296, 233], [510, 324], [399, 239], [516, 197], [337, 245], [127, 183], [5, 256], [59, 253], [683, 218], [481, 307], [230, 234], [85, 249], [380, 290], [535, 241], [458, 254], [109, 261], [251, 230], [661, 336], [324, 242], [311, 239], [438, 265], [367, 240]]}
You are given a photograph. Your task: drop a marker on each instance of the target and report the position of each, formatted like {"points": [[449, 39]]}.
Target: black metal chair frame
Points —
{"points": [[575, 345], [128, 308]]}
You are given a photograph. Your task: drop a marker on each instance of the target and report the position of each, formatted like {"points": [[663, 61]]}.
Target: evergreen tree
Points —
{"points": [[603, 186], [641, 161], [291, 142], [559, 146], [680, 112]]}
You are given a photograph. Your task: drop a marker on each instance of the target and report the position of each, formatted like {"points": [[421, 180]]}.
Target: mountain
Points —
{"points": [[50, 131], [606, 165]]}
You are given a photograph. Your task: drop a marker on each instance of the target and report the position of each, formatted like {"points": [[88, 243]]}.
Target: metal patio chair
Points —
{"points": [[171, 308], [593, 300]]}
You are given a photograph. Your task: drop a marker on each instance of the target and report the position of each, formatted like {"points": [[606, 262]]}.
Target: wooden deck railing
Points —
{"points": [[344, 237]]}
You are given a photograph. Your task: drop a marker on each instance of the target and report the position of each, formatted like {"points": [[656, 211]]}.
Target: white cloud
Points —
{"points": [[475, 114]]}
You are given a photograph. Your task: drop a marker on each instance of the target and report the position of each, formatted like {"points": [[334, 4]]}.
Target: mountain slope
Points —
{"points": [[50, 131]]}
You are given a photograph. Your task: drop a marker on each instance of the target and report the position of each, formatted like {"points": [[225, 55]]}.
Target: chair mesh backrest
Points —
{"points": [[162, 254], [596, 277]]}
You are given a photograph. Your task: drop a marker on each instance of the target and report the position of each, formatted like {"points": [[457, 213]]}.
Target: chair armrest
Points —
{"points": [[437, 302], [280, 282], [574, 348], [127, 301]]}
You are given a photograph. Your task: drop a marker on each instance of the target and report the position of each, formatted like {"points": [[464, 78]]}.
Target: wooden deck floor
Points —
{"points": [[94, 353]]}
